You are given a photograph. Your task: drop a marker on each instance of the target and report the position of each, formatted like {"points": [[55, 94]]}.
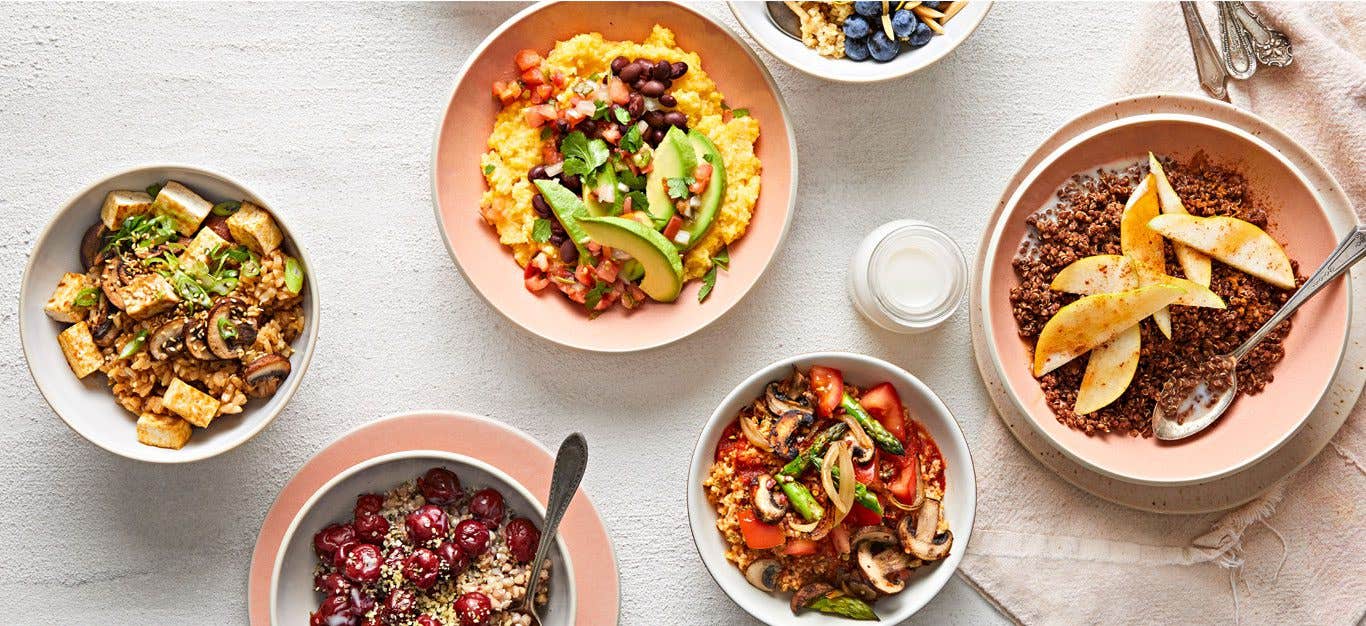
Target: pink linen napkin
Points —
{"points": [[1046, 552]]}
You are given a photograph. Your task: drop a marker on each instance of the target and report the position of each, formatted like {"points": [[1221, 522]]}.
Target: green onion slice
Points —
{"points": [[134, 346], [294, 275]]}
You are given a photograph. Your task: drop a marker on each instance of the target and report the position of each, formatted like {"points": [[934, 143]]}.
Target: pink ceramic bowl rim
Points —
{"points": [[993, 250], [517, 454], [696, 323]]}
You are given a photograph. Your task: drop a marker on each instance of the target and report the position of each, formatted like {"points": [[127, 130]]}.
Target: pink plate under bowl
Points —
{"points": [[1256, 425], [458, 185]]}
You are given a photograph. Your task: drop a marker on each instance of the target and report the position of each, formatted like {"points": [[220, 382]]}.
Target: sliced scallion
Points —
{"points": [[294, 275], [134, 345]]}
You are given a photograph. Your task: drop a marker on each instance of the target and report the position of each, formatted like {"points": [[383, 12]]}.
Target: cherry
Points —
{"points": [[472, 536], [399, 604], [371, 528], [426, 523], [439, 486], [332, 583], [362, 563], [368, 504], [361, 601], [421, 568], [473, 609], [427, 620], [328, 540], [487, 505], [335, 610], [522, 538], [451, 556]]}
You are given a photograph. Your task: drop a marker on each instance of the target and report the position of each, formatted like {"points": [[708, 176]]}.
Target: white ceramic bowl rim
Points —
{"points": [[701, 457], [500, 475], [995, 243], [305, 352]]}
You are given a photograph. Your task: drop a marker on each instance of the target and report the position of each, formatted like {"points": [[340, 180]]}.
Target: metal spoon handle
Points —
{"points": [[1213, 77], [1271, 46], [1237, 47], [1349, 251], [570, 463]]}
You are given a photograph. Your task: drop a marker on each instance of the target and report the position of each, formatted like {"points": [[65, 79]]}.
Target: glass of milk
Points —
{"points": [[907, 276]]}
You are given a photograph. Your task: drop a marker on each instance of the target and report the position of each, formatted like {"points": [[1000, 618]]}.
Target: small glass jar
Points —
{"points": [[907, 276]]}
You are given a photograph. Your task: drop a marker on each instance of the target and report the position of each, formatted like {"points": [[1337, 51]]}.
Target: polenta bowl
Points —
{"points": [[613, 185]]}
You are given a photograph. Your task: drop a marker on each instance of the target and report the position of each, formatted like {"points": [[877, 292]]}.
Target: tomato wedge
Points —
{"points": [[862, 516], [883, 403], [758, 535], [828, 383], [800, 547], [902, 484]]}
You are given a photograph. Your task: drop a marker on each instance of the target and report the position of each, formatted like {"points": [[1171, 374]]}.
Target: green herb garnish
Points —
{"points": [[595, 294], [601, 110], [87, 297], [639, 201], [154, 189], [540, 230], [739, 113], [622, 115], [678, 187], [722, 258], [224, 209], [581, 156], [226, 329], [134, 345], [708, 283], [294, 275], [142, 232], [632, 140], [488, 169]]}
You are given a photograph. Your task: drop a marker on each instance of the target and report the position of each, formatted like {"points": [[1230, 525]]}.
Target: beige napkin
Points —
{"points": [[1045, 552]]}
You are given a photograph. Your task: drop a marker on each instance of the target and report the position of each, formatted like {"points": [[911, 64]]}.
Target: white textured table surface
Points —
{"points": [[329, 111]]}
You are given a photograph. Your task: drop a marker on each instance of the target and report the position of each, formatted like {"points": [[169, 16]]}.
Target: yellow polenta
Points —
{"points": [[515, 146]]}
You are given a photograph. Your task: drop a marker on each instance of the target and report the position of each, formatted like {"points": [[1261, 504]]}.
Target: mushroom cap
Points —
{"points": [[808, 594], [112, 280], [92, 245], [880, 559], [196, 341], [925, 541], [786, 431], [168, 339], [779, 399], [770, 504], [101, 322], [229, 312], [266, 370], [763, 574]]}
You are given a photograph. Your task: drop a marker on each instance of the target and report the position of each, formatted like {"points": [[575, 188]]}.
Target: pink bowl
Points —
{"points": [[468, 119], [1256, 425]]}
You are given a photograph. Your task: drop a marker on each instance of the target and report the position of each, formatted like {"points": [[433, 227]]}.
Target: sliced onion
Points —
{"points": [[651, 104], [832, 456], [606, 192], [642, 126], [803, 528], [682, 237], [840, 535], [751, 432], [622, 187], [847, 481], [554, 169], [856, 429]]}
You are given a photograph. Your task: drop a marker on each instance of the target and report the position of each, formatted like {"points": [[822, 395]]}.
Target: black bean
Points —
{"points": [[569, 253], [675, 118], [619, 63], [536, 173], [635, 105], [652, 89], [654, 118], [667, 84], [558, 238], [662, 70], [678, 69], [572, 183], [556, 227], [668, 100], [630, 73], [539, 204], [656, 136], [640, 82]]}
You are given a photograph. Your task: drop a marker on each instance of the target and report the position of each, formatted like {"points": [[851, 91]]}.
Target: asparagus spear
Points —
{"points": [[795, 467], [801, 499], [885, 440], [861, 494]]}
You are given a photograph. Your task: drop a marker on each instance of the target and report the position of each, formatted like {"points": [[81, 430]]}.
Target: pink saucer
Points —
{"points": [[462, 137], [516, 453]]}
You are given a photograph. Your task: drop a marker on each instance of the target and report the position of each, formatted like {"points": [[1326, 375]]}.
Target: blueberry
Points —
{"points": [[921, 36], [868, 9], [881, 47], [903, 23], [856, 26], [856, 49], [932, 5]]}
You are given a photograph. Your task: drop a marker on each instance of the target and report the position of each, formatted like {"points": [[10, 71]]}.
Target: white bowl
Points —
{"points": [[292, 597], [960, 497], [88, 406], [753, 17]]}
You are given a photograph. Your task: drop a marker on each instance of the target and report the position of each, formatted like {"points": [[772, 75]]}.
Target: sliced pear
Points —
{"points": [[1093, 320], [1141, 243], [1193, 262], [1232, 241], [1108, 372], [1111, 273], [1196, 294]]}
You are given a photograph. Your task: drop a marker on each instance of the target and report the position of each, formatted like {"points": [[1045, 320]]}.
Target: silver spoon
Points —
{"points": [[570, 463], [1271, 47], [1213, 77], [783, 18], [1238, 57], [1349, 251]]}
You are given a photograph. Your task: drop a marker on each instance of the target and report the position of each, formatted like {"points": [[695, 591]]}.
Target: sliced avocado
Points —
{"points": [[716, 190], [674, 158], [657, 255], [568, 208], [632, 270], [596, 207]]}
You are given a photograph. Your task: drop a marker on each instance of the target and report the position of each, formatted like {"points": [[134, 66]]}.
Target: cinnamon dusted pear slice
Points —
{"points": [[1110, 273], [1193, 262], [1141, 243], [1109, 371], [1093, 320], [1235, 242]]}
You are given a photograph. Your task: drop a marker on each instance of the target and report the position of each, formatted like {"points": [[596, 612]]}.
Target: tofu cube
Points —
{"points": [[62, 305], [182, 205], [147, 295], [253, 227], [120, 205], [81, 352], [203, 244], [195, 406], [163, 431]]}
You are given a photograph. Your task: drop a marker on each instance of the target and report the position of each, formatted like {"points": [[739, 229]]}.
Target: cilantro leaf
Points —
{"points": [[582, 156], [540, 230], [621, 115], [739, 113], [632, 140], [601, 109], [595, 294], [639, 201], [722, 258], [488, 169], [678, 187], [708, 283]]}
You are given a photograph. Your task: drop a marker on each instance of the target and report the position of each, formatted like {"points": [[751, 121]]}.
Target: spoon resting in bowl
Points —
{"points": [[570, 463], [1190, 401]]}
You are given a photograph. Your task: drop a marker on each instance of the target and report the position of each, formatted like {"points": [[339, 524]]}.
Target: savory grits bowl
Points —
{"points": [[617, 171], [461, 149]]}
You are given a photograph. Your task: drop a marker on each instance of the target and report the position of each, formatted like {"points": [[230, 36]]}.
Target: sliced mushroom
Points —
{"points": [[880, 559], [808, 594], [778, 402], [854, 585], [197, 342], [859, 453], [230, 331], [168, 340], [925, 542], [770, 504], [786, 432], [763, 574], [100, 320], [266, 373], [112, 280], [92, 245]]}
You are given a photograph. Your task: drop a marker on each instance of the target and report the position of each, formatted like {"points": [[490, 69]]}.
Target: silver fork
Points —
{"points": [[570, 463]]}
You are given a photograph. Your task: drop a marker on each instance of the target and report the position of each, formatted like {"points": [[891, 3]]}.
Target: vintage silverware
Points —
{"points": [[1213, 77], [1349, 251], [570, 463], [1238, 59], [1270, 46], [783, 18]]}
